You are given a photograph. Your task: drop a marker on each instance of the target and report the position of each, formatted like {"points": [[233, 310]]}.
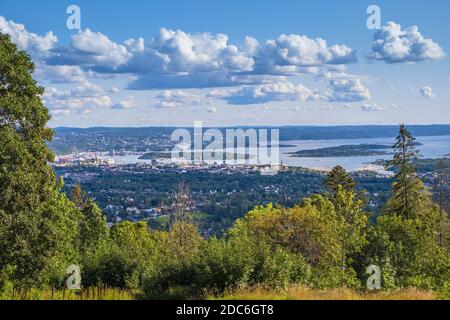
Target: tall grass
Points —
{"points": [[302, 293], [94, 293], [255, 293]]}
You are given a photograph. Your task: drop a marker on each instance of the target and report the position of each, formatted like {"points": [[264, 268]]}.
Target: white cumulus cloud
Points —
{"points": [[81, 97], [393, 44], [37, 46], [91, 49], [296, 53], [345, 88], [281, 91], [175, 59], [176, 98], [59, 74]]}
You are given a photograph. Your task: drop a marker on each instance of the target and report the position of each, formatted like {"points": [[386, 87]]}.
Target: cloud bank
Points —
{"points": [[255, 72]]}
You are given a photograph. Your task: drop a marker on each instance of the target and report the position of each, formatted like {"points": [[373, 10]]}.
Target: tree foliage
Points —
{"points": [[338, 178], [38, 224], [407, 188], [78, 197], [412, 225]]}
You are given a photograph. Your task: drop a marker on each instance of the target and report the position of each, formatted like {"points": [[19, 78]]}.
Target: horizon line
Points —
{"points": [[253, 126]]}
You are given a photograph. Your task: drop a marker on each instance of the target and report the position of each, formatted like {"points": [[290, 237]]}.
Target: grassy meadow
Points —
{"points": [[255, 293]]}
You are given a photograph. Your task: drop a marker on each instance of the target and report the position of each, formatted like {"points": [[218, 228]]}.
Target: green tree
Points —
{"points": [[352, 222], [38, 225], [347, 218], [411, 224], [93, 227], [442, 190], [133, 256], [314, 232], [338, 178], [78, 197], [181, 202], [176, 263], [227, 263], [414, 255], [407, 188]]}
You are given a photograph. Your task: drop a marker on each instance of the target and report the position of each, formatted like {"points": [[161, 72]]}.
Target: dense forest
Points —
{"points": [[220, 197], [325, 241]]}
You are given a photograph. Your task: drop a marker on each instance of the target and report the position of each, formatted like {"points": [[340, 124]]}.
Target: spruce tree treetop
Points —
{"points": [[405, 151], [337, 179], [407, 189]]}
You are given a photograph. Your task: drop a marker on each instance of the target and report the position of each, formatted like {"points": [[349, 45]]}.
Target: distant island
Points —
{"points": [[281, 145], [359, 150], [345, 151], [155, 155]]}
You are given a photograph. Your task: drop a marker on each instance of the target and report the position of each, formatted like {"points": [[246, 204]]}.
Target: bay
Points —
{"points": [[432, 147]]}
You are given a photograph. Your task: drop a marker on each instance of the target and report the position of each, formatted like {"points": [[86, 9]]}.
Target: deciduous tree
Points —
{"points": [[38, 224]]}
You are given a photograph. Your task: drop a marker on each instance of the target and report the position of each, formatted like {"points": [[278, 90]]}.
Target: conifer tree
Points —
{"points": [[411, 221], [78, 197], [338, 178], [181, 202], [407, 188]]}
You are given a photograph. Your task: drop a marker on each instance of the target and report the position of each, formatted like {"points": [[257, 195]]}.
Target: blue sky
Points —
{"points": [[237, 62]]}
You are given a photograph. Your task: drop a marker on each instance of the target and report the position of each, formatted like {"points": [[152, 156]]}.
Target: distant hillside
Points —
{"points": [[286, 133], [158, 138], [355, 132]]}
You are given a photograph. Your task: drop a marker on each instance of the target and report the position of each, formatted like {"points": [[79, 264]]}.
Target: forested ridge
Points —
{"points": [[325, 241]]}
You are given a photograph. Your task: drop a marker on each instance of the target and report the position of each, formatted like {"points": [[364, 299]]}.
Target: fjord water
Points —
{"points": [[432, 147]]}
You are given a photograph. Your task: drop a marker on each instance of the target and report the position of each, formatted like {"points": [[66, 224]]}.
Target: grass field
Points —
{"points": [[85, 294], [301, 293], [292, 293]]}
